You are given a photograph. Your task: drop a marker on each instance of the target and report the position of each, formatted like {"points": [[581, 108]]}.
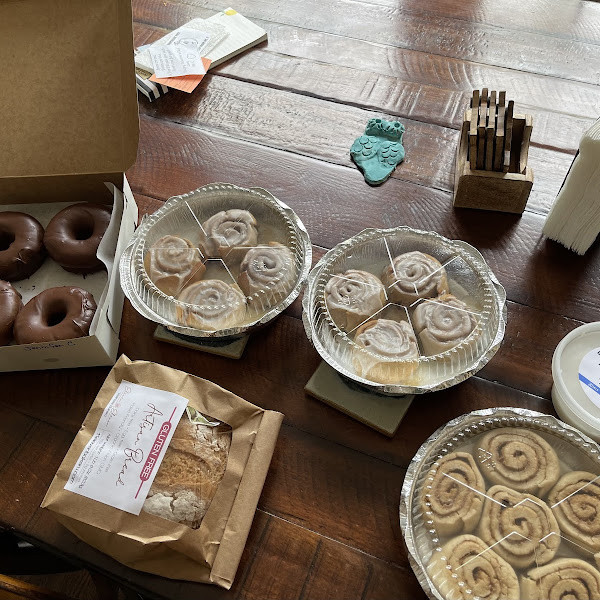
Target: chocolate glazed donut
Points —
{"points": [[10, 305], [73, 236], [59, 313], [21, 248]]}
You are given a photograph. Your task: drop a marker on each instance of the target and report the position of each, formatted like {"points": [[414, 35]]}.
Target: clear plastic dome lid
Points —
{"points": [[217, 262], [404, 311], [504, 504]]}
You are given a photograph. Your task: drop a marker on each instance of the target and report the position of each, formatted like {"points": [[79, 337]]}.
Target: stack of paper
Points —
{"points": [[181, 58], [574, 219]]}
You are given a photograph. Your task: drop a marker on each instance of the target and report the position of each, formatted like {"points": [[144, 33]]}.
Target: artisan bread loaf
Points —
{"points": [[190, 473]]}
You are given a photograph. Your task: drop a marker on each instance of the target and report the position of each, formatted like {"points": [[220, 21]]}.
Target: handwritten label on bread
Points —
{"points": [[119, 463]]}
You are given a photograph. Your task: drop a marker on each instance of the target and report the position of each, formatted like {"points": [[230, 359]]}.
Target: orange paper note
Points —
{"points": [[185, 83]]}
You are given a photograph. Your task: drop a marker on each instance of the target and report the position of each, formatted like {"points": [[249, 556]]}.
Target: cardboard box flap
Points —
{"points": [[69, 101]]}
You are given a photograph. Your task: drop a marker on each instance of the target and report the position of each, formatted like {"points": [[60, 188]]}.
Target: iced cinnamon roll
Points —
{"points": [[442, 323], [562, 579], [465, 568], [521, 527], [215, 305], [414, 275], [173, 262], [388, 351], [575, 501], [453, 494], [227, 230], [352, 297], [268, 271], [519, 459]]}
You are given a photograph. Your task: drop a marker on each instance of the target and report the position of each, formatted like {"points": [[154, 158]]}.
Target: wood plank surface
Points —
{"points": [[283, 116]]}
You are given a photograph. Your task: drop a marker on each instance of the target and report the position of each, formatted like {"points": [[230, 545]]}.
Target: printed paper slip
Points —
{"points": [[119, 463], [182, 55], [187, 83]]}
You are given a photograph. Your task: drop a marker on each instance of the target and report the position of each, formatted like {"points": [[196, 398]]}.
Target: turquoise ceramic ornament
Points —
{"points": [[379, 150]]}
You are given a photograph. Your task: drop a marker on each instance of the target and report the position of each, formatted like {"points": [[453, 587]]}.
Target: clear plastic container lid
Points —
{"points": [[504, 504], [217, 262], [404, 311]]}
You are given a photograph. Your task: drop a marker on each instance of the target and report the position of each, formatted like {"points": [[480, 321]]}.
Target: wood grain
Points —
{"points": [[427, 33]]}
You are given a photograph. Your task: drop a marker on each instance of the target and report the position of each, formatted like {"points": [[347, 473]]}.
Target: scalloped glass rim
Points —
{"points": [[133, 256], [314, 294], [457, 431]]}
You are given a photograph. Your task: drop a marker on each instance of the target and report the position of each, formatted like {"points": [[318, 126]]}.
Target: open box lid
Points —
{"points": [[69, 101]]}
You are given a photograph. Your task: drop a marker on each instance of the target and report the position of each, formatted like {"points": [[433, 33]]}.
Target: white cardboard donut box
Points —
{"points": [[70, 130]]}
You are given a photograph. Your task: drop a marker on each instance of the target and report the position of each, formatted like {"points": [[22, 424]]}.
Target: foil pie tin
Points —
{"points": [[183, 216], [373, 250], [431, 486]]}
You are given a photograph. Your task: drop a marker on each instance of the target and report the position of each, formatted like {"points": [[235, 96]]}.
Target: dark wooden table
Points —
{"points": [[283, 116]]}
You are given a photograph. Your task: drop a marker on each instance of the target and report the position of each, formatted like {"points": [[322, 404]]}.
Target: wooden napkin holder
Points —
{"points": [[493, 190]]}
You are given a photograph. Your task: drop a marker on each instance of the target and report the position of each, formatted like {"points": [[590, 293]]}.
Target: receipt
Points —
{"points": [[182, 55]]}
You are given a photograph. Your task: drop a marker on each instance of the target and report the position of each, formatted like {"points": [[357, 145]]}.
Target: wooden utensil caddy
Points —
{"points": [[505, 190]]}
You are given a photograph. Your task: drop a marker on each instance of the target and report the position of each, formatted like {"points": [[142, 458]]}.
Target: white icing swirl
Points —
{"points": [[414, 275], [216, 305], [227, 230], [268, 269]]}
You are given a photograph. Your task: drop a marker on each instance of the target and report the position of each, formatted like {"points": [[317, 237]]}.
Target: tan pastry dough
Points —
{"points": [[519, 459], [352, 297], [216, 305], [267, 271], [414, 275], [575, 501], [388, 351], [227, 230], [173, 262], [442, 323], [465, 568], [190, 473], [451, 498], [521, 527], [562, 579]]}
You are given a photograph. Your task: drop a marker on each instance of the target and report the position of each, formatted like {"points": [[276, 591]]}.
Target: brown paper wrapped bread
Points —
{"points": [[190, 473]]}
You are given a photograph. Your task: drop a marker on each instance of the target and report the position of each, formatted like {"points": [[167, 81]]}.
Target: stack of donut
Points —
{"points": [[71, 239]]}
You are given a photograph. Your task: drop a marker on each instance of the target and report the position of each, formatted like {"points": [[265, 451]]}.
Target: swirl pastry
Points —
{"points": [[521, 527], [353, 297], [391, 340], [442, 323], [451, 499], [216, 305], [227, 230], [414, 275], [563, 579], [519, 459], [466, 568], [575, 502], [172, 263], [268, 269]]}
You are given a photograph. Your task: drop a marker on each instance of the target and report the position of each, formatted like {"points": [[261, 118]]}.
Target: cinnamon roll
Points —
{"points": [[267, 270], [575, 502], [414, 275], [352, 297], [562, 579], [442, 323], [173, 262], [388, 351], [227, 230], [519, 459], [216, 305], [465, 568], [453, 496], [521, 527]]}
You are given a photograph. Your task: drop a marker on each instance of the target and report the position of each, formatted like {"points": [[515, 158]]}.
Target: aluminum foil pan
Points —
{"points": [[186, 216], [531, 539], [479, 301]]}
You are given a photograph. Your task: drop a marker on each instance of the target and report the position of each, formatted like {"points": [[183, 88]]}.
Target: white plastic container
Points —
{"points": [[576, 374]]}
